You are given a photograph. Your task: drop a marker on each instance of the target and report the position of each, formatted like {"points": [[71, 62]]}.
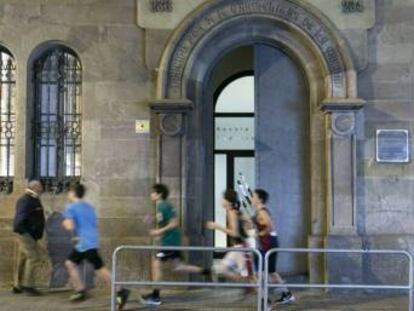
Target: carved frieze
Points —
{"points": [[223, 11]]}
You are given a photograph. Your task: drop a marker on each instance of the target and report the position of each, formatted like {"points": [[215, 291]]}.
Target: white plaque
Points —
{"points": [[393, 146]]}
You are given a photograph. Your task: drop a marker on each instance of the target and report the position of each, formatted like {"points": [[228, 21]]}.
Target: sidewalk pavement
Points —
{"points": [[204, 300]]}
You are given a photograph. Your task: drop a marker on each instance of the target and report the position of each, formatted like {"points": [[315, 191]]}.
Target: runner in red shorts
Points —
{"points": [[268, 239]]}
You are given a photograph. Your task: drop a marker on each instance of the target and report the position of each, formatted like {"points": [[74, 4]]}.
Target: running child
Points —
{"points": [[80, 218], [268, 239], [169, 235], [235, 265]]}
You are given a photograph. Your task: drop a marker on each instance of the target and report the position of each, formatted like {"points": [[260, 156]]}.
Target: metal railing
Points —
{"points": [[408, 287], [262, 282], [115, 282]]}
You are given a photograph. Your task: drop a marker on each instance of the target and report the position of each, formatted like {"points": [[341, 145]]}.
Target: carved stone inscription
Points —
{"points": [[161, 6], [352, 6], [284, 9]]}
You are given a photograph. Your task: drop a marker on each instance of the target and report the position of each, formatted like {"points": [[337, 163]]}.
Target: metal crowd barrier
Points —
{"points": [[262, 283], [409, 287], [116, 282]]}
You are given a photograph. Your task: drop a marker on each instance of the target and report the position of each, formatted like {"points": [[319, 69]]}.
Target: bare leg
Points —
{"points": [[105, 275], [181, 267], [74, 276], [156, 273], [223, 270], [156, 270], [276, 278]]}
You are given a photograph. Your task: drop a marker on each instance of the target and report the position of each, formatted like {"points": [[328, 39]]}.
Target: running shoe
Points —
{"points": [[122, 298], [287, 297], [150, 300], [17, 290], [78, 297], [30, 291]]}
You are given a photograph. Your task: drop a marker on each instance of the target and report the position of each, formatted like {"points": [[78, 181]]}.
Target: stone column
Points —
{"points": [[342, 192], [168, 129], [341, 155]]}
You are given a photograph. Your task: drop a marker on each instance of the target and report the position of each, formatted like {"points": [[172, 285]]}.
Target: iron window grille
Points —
{"points": [[57, 118], [7, 119]]}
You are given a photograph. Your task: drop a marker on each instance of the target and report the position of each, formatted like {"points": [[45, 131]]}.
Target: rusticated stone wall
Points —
{"points": [[117, 163], [120, 45]]}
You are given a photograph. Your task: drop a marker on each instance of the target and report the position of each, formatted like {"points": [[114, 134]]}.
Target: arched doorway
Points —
{"points": [[317, 50], [261, 119]]}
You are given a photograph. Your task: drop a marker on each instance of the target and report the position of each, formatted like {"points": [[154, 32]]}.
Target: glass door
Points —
{"points": [[234, 143]]}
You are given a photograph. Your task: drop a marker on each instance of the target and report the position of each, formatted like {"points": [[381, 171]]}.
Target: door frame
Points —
{"points": [[204, 36]]}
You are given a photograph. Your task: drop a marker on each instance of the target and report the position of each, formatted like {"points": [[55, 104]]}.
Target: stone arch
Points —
{"points": [[317, 43], [310, 39], [39, 49]]}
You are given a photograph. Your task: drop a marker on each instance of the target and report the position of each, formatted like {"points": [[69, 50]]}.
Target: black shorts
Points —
{"points": [[92, 256], [272, 257], [168, 255]]}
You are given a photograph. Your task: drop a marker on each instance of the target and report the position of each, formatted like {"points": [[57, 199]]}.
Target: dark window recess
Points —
{"points": [[7, 119], [57, 119]]}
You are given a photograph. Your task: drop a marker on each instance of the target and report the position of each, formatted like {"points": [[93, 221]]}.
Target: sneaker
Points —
{"points": [[30, 291], [122, 298], [17, 290], [78, 297], [150, 300], [286, 298], [208, 274]]}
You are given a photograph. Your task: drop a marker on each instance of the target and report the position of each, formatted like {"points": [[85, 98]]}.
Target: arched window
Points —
{"points": [[58, 117], [7, 119]]}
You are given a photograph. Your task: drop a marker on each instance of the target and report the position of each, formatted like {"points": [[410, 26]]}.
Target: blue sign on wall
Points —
{"points": [[393, 146]]}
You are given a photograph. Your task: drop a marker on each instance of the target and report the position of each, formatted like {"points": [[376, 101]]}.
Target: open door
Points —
{"points": [[282, 149]]}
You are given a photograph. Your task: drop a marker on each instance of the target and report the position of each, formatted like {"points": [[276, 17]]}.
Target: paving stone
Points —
{"points": [[206, 300]]}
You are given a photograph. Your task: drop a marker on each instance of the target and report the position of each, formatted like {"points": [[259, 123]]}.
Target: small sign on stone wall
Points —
{"points": [[393, 146], [142, 126]]}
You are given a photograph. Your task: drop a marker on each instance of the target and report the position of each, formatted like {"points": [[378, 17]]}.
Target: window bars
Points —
{"points": [[7, 119], [57, 118]]}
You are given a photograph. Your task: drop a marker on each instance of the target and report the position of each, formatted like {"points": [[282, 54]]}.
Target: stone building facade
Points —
{"points": [[329, 76]]}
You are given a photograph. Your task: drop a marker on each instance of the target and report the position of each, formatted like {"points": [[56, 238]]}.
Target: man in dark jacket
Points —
{"points": [[29, 224]]}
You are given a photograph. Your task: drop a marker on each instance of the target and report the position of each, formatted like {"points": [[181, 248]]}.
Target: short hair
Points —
{"points": [[34, 185], [79, 190], [162, 190], [263, 195], [232, 197]]}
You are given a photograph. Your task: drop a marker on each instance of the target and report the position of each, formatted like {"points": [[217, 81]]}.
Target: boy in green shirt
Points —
{"points": [[168, 226], [169, 235]]}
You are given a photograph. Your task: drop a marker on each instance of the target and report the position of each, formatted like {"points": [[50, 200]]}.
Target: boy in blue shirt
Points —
{"points": [[80, 217]]}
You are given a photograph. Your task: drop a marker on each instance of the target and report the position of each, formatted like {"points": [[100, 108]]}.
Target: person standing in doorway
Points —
{"points": [[80, 218], [268, 239], [29, 225]]}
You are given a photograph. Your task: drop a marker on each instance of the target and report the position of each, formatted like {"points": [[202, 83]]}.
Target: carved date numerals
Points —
{"points": [[161, 6], [352, 6]]}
